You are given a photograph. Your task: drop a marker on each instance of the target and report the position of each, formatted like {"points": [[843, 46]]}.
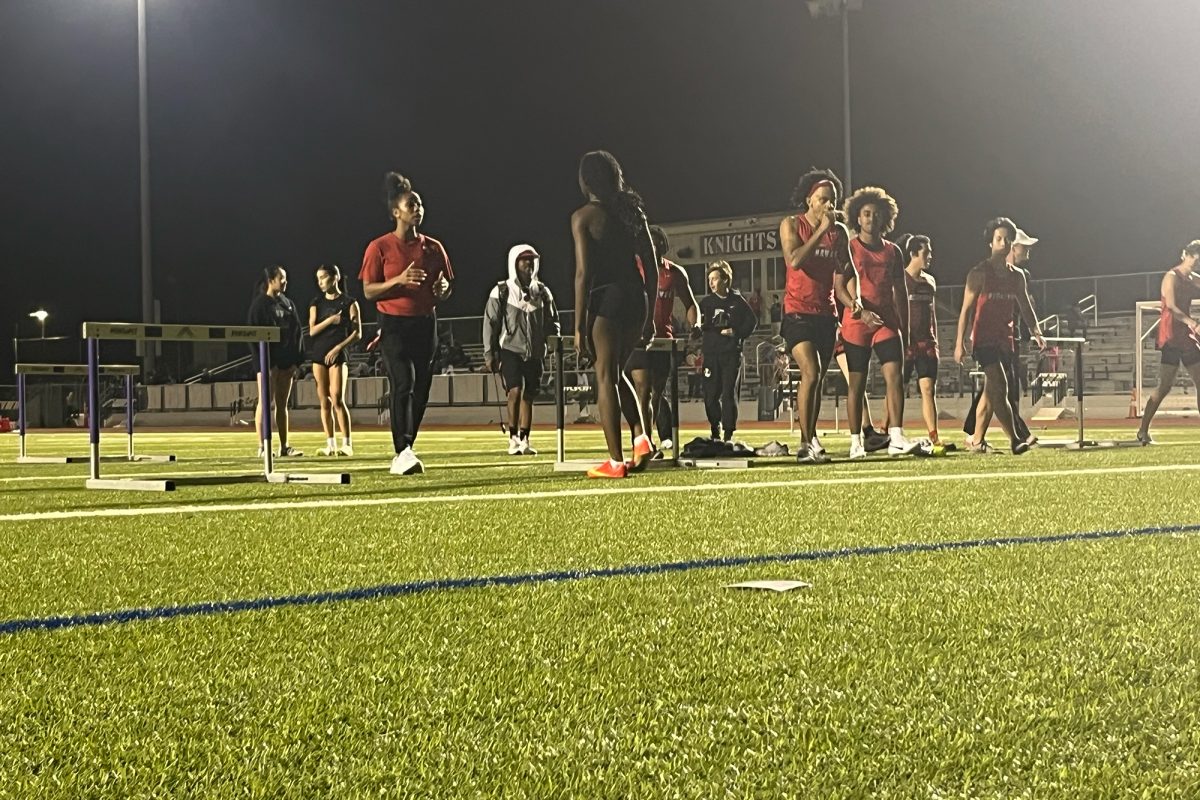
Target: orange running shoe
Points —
{"points": [[643, 454], [607, 469]]}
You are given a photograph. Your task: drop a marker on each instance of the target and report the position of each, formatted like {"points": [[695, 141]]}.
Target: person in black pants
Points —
{"points": [[407, 274], [272, 308], [726, 320]]}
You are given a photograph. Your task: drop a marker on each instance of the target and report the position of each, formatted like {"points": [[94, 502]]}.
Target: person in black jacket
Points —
{"points": [[726, 320], [272, 308]]}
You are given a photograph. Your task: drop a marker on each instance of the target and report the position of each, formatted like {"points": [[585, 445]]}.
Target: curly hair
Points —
{"points": [[804, 187], [1000, 222], [872, 195]]}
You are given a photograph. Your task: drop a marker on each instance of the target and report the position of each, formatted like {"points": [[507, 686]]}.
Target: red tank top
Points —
{"points": [[995, 308], [922, 321], [877, 271], [672, 283], [809, 287], [1173, 332]]}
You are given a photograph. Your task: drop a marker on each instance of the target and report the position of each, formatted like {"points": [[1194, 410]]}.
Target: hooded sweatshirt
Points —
{"points": [[528, 316]]}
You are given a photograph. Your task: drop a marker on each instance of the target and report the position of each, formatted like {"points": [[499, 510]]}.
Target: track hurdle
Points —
{"points": [[126, 370], [1080, 442], [561, 463], [95, 332]]}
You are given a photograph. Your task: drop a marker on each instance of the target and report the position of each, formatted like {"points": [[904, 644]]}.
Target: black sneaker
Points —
{"points": [[875, 440], [1144, 438], [1020, 448]]}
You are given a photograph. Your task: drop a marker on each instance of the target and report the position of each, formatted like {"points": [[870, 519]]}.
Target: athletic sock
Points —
{"points": [[895, 433], [856, 440], [523, 434], [512, 430], [331, 443], [346, 442], [716, 433]]}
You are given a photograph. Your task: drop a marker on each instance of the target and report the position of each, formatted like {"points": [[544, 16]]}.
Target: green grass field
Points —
{"points": [[1053, 669]]}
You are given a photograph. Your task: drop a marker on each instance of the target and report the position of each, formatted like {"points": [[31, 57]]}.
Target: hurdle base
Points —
{"points": [[584, 464], [155, 459], [336, 478], [52, 459], [717, 463], [131, 484]]}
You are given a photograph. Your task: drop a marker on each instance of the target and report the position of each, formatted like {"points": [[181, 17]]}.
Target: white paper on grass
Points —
{"points": [[774, 586]]}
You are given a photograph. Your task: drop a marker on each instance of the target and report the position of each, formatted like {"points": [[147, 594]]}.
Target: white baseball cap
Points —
{"points": [[1024, 238]]}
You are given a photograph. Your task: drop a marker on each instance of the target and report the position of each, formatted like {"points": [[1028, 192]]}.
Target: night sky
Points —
{"points": [[272, 122]]}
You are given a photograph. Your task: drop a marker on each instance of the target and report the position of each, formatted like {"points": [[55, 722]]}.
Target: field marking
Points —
{"points": [[382, 591], [341, 504]]}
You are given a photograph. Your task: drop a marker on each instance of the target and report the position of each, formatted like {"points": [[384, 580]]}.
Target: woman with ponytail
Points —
{"points": [[407, 274], [272, 308], [614, 298], [334, 323]]}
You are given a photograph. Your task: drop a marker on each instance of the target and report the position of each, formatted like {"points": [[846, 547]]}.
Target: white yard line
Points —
{"points": [[624, 488]]}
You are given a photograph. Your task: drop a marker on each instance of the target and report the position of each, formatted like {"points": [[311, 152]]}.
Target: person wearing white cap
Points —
{"points": [[1018, 256], [520, 314]]}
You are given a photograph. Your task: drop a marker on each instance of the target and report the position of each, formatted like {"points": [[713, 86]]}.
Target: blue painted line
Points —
{"points": [[520, 579]]}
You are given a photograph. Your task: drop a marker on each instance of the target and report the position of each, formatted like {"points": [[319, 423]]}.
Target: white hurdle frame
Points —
{"points": [[95, 332], [127, 370], [659, 344]]}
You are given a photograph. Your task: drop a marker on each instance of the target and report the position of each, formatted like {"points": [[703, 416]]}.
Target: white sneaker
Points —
{"points": [[816, 446], [857, 451], [526, 449], [666, 444], [261, 453], [406, 463], [290, 452], [902, 446], [514, 445], [346, 450], [327, 451]]}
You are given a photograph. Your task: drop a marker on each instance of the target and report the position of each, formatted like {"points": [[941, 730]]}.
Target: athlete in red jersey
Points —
{"points": [[1178, 332], [816, 252], [879, 277], [994, 293], [406, 273], [650, 370], [921, 351]]}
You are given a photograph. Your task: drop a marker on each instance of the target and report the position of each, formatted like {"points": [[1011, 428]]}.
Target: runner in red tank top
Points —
{"points": [[1178, 333], [815, 250], [650, 370], [879, 279], [994, 290]]}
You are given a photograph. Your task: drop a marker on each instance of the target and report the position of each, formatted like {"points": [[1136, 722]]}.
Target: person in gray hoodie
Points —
{"points": [[519, 315]]}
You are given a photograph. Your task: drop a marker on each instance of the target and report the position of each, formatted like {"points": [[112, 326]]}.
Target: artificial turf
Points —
{"points": [[1056, 669]]}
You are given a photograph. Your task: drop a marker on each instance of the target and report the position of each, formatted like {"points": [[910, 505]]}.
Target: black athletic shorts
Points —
{"points": [[925, 366], [819, 329], [1174, 356], [657, 361], [626, 303], [858, 357], [987, 355], [520, 373]]}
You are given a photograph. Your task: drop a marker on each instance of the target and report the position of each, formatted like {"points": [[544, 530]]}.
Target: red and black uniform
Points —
{"points": [[879, 269], [672, 283], [1177, 343], [921, 348], [809, 311], [995, 307], [407, 324]]}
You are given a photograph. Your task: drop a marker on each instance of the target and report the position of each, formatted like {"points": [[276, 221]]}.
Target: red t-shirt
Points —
{"points": [[995, 308], [922, 295], [878, 271], [672, 283], [1173, 332], [809, 286], [388, 256]]}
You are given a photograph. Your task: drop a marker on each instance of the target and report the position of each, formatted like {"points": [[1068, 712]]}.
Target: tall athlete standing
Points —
{"points": [[1178, 332]]}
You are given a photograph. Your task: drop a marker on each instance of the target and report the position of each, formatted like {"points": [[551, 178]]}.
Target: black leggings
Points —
{"points": [[720, 391], [1012, 372], [407, 345]]}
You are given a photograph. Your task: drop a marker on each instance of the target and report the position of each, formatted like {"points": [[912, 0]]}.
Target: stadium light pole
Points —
{"points": [[831, 8], [144, 170], [40, 315]]}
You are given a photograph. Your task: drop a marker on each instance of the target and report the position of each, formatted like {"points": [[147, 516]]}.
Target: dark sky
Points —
{"points": [[272, 122]]}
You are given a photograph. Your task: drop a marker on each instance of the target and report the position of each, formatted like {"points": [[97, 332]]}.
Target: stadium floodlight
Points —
{"points": [[144, 172], [841, 8], [40, 315]]}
